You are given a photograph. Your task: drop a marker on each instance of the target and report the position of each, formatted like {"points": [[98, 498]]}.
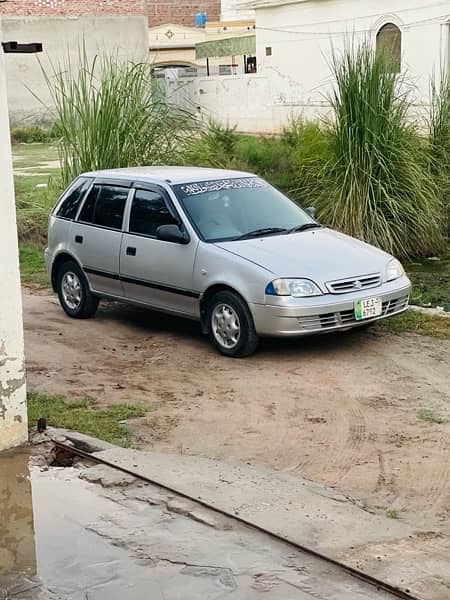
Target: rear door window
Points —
{"points": [[72, 201], [110, 206], [105, 206], [148, 212]]}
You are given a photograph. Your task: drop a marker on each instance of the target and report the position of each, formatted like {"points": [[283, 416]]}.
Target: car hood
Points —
{"points": [[320, 254]]}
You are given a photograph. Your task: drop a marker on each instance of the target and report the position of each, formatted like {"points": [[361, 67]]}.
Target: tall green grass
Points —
{"points": [[381, 189], [439, 137], [309, 149], [33, 206], [107, 116]]}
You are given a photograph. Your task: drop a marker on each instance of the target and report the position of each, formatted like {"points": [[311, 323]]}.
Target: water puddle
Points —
{"points": [[46, 550], [17, 550]]}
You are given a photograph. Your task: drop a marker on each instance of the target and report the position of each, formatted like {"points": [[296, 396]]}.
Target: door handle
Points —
{"points": [[131, 251], [78, 239]]}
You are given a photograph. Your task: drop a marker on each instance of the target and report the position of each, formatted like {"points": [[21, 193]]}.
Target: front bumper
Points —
{"points": [[286, 316]]}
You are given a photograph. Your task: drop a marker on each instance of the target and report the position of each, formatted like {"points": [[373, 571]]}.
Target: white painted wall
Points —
{"points": [[240, 100], [62, 37], [248, 102], [302, 35], [232, 10], [13, 408]]}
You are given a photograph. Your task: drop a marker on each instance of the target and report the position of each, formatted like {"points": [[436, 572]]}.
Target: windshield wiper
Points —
{"points": [[304, 227], [261, 232]]}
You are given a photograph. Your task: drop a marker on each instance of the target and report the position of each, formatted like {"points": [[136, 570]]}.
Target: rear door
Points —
{"points": [[96, 236], [152, 271]]}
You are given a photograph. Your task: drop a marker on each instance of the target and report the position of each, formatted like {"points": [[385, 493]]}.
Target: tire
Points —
{"points": [[73, 292], [230, 325]]}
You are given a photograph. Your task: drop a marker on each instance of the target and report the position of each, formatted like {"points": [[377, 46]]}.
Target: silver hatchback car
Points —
{"points": [[222, 247]]}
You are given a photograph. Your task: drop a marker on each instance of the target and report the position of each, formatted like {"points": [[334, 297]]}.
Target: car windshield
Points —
{"points": [[232, 209]]}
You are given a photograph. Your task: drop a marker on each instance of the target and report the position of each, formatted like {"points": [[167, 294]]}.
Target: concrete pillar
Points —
{"points": [[13, 405]]}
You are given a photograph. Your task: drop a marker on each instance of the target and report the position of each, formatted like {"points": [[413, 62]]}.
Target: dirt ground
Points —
{"points": [[341, 410]]}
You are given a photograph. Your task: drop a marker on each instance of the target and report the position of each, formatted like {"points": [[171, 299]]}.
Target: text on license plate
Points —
{"points": [[369, 308]]}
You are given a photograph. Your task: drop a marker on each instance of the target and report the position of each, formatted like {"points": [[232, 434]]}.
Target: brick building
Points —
{"points": [[158, 11]]}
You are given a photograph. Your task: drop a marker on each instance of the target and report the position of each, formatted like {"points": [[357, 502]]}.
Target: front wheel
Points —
{"points": [[74, 293], [230, 324]]}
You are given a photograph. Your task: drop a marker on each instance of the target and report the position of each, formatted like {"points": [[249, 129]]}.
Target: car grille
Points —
{"points": [[347, 317], [343, 286]]}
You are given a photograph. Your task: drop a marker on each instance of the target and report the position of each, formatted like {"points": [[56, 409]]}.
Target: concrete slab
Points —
{"points": [[287, 505], [304, 513], [84, 442]]}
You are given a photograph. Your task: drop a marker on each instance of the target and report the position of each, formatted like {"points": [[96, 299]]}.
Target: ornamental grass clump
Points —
{"points": [[439, 137], [381, 189], [108, 114]]}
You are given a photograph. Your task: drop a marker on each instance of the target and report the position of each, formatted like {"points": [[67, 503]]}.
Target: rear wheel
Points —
{"points": [[230, 324], [74, 293]]}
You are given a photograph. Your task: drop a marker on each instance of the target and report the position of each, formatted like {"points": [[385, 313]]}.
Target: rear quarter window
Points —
{"points": [[72, 200]]}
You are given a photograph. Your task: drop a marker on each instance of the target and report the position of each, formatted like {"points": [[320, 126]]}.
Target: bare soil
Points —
{"points": [[341, 409]]}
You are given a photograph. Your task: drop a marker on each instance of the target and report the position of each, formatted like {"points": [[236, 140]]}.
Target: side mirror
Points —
{"points": [[172, 233], [311, 211]]}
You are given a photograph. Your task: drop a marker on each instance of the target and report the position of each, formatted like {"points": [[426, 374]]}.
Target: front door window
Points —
{"points": [[148, 212]]}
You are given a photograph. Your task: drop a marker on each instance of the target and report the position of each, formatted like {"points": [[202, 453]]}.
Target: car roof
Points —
{"points": [[173, 175]]}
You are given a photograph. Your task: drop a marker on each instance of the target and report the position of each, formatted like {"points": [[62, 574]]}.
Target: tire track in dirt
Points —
{"points": [[437, 485], [350, 449], [386, 485], [317, 424], [342, 440]]}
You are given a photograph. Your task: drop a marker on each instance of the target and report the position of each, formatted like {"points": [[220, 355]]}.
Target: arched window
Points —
{"points": [[389, 43]]}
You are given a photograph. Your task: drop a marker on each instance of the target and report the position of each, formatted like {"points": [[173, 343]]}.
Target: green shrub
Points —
{"points": [[214, 146], [268, 157], [261, 154], [381, 190], [106, 116], [33, 134], [289, 162]]}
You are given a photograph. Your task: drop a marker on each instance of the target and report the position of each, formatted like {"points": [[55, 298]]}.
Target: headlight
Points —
{"points": [[394, 270], [298, 288]]}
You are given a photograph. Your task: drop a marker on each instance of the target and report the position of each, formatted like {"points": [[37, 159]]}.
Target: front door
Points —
{"points": [[96, 237], [152, 271]]}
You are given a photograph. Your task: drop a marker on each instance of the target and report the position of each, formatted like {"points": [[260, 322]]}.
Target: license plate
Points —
{"points": [[368, 309]]}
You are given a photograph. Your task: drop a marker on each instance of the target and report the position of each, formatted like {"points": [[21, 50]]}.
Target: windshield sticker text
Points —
{"points": [[192, 189]]}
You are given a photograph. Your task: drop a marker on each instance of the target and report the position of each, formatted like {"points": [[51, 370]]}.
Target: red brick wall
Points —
{"points": [[57, 8], [158, 11], [181, 12]]}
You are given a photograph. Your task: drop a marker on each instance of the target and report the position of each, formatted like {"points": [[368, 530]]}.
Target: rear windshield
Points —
{"points": [[68, 208]]}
